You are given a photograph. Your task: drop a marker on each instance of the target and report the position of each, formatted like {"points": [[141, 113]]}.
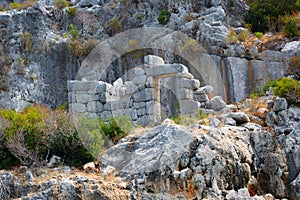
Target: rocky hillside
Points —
{"points": [[251, 152]]}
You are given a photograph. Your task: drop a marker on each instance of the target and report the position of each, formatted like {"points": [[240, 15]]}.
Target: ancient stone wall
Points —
{"points": [[139, 93]]}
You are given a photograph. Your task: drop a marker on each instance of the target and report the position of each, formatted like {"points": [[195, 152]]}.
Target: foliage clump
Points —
{"points": [[61, 4], [164, 17], [23, 5], [286, 87], [26, 41], [294, 69], [115, 26], [267, 15], [31, 136]]}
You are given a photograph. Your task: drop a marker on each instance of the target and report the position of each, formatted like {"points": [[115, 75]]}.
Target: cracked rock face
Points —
{"points": [[170, 161]]}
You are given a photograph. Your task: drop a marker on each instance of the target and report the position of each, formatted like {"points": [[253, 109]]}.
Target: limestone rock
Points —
{"points": [[240, 117], [89, 167], [54, 161], [216, 103], [280, 104]]}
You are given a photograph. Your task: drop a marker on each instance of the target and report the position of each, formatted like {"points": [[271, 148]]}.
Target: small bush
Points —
{"points": [[231, 38], [72, 11], [81, 49], [285, 87], [164, 17], [139, 17], [37, 132], [115, 26], [15, 5], [116, 128], [291, 28], [243, 36], [289, 89], [60, 4], [259, 35], [24, 5], [26, 41], [295, 67]]}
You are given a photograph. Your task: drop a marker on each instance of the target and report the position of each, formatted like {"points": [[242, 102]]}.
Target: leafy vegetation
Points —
{"points": [[232, 37], [291, 28], [115, 26], [267, 14], [116, 128], [285, 87], [61, 4], [164, 17], [72, 11], [259, 35], [23, 5]]}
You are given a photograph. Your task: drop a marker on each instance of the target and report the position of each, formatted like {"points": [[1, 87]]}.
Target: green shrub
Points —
{"points": [[73, 31], [81, 49], [116, 128], [24, 5], [115, 26], [15, 5], [164, 17], [63, 107], [291, 28], [259, 35], [231, 38], [267, 14], [243, 35], [60, 4], [285, 87], [29, 136], [289, 89], [72, 11], [139, 17]]}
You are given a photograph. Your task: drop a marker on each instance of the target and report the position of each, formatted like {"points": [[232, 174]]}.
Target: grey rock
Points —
{"points": [[54, 161], [214, 122], [153, 60], [271, 119], [144, 95], [238, 78], [292, 48], [270, 55], [230, 121], [216, 103], [240, 117], [280, 104]]}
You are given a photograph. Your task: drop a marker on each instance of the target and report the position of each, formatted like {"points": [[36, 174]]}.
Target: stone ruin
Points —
{"points": [[147, 94]]}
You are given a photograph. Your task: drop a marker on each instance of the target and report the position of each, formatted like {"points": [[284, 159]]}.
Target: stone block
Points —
{"points": [[107, 106], [139, 80], [77, 108], [188, 107], [148, 120], [238, 78], [184, 94], [216, 103], [71, 97], [201, 97], [260, 72], [153, 108], [130, 88], [188, 83], [146, 94], [120, 103], [276, 70], [141, 111], [270, 55], [165, 70], [82, 85], [85, 98], [139, 105], [105, 97], [94, 107], [139, 72], [106, 115], [153, 60]]}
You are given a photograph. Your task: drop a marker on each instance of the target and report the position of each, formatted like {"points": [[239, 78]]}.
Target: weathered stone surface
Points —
{"points": [[144, 95], [54, 161], [292, 48], [153, 60], [216, 103], [188, 83], [240, 117], [77, 108], [280, 104], [272, 56]]}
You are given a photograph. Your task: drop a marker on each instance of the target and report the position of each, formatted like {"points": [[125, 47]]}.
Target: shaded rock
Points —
{"points": [[240, 117], [216, 103]]}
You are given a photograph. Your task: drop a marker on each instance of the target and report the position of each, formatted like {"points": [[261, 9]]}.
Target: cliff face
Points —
{"points": [[37, 58]]}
